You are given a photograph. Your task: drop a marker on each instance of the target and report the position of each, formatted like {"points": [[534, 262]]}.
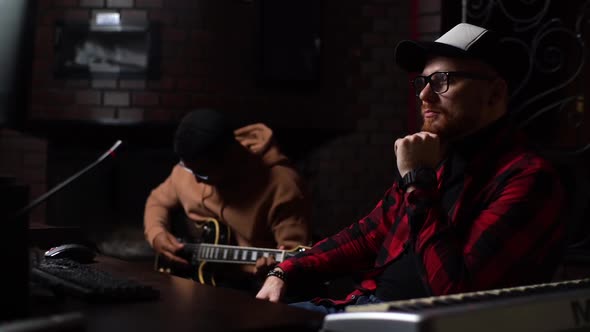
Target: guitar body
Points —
{"points": [[209, 250], [209, 231], [216, 233]]}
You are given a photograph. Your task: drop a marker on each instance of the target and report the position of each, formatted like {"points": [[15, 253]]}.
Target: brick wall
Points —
{"points": [[209, 60], [24, 159], [429, 19], [353, 171]]}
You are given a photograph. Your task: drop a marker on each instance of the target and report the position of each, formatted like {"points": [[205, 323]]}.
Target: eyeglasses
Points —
{"points": [[188, 169], [439, 80]]}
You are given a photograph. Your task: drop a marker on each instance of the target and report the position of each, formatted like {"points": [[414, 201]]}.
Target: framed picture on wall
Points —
{"points": [[89, 51]]}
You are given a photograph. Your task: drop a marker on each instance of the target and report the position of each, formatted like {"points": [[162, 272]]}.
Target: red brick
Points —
{"points": [[40, 79], [77, 15], [38, 189], [157, 115], [163, 16], [53, 98], [170, 50], [430, 6], [144, 99], [429, 24], [132, 84], [116, 99], [373, 39], [103, 83], [177, 68], [89, 113], [195, 51], [134, 16], [88, 97], [119, 3], [34, 160], [166, 83], [65, 3], [100, 113], [76, 83], [358, 82], [205, 101], [92, 3], [175, 100], [148, 3], [191, 84], [181, 4], [44, 4], [130, 114], [199, 36], [37, 111], [173, 34], [43, 40], [33, 175], [374, 11], [11, 160], [51, 16], [199, 69], [42, 66]]}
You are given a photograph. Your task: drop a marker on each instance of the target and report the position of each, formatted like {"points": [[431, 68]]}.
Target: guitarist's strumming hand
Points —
{"points": [[265, 264], [167, 245], [273, 288]]}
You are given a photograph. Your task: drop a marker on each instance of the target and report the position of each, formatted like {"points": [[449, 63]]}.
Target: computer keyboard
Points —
{"points": [[65, 276]]}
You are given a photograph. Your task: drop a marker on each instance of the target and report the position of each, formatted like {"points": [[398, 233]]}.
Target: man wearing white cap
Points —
{"points": [[475, 208]]}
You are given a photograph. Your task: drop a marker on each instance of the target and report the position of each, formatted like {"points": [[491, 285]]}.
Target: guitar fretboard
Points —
{"points": [[233, 254]]}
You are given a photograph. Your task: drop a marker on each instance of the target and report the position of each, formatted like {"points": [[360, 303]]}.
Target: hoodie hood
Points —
{"points": [[259, 140]]}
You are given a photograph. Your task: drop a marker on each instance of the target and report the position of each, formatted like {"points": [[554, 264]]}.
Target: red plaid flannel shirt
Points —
{"points": [[504, 229]]}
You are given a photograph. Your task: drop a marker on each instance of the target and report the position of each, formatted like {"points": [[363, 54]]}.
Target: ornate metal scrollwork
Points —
{"points": [[551, 52]]}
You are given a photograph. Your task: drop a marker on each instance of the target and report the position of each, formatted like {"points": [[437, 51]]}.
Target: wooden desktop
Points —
{"points": [[183, 306]]}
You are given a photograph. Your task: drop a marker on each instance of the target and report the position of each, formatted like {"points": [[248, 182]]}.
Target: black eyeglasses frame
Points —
{"points": [[449, 74]]}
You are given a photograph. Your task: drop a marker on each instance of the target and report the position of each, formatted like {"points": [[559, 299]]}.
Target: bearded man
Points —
{"points": [[475, 207]]}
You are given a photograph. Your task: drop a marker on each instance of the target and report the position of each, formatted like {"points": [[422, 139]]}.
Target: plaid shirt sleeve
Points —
{"points": [[514, 231], [352, 249]]}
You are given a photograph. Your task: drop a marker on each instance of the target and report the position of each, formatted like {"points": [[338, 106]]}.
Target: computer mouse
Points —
{"points": [[74, 251]]}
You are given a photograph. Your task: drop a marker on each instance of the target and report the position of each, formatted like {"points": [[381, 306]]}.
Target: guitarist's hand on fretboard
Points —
{"points": [[167, 245], [265, 264]]}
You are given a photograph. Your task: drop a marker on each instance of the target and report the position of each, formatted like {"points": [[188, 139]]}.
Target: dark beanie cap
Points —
{"points": [[203, 133]]}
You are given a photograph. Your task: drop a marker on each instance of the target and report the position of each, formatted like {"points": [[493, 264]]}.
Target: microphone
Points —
{"points": [[25, 210]]}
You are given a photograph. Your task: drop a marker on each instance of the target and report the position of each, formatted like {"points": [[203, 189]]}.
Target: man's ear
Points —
{"points": [[498, 93]]}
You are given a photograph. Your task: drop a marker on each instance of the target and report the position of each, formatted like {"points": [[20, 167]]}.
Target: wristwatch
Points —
{"points": [[421, 177]]}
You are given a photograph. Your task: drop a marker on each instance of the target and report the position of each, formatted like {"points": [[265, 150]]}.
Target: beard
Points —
{"points": [[450, 126]]}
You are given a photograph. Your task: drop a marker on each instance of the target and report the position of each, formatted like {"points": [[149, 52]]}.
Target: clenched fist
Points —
{"points": [[419, 149]]}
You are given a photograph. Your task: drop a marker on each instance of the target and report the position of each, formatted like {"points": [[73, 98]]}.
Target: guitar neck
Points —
{"points": [[233, 254]]}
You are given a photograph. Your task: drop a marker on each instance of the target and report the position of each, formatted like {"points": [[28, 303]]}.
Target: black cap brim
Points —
{"points": [[412, 55]]}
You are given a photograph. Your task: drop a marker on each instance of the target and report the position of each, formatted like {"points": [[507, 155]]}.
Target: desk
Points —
{"points": [[187, 306]]}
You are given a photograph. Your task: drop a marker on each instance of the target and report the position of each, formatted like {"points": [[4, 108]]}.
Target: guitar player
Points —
{"points": [[234, 177]]}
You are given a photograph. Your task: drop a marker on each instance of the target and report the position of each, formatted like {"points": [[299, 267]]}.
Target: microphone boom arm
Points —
{"points": [[61, 185]]}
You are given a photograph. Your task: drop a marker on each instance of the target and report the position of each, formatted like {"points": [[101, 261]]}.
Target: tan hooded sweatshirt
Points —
{"points": [[267, 209]]}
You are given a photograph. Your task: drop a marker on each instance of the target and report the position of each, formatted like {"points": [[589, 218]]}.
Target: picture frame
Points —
{"points": [[83, 50]]}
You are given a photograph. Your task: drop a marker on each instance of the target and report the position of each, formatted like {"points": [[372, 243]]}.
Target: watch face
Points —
{"points": [[426, 176], [420, 177]]}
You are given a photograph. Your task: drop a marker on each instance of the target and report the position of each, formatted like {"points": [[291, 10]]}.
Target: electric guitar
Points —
{"points": [[211, 248]]}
